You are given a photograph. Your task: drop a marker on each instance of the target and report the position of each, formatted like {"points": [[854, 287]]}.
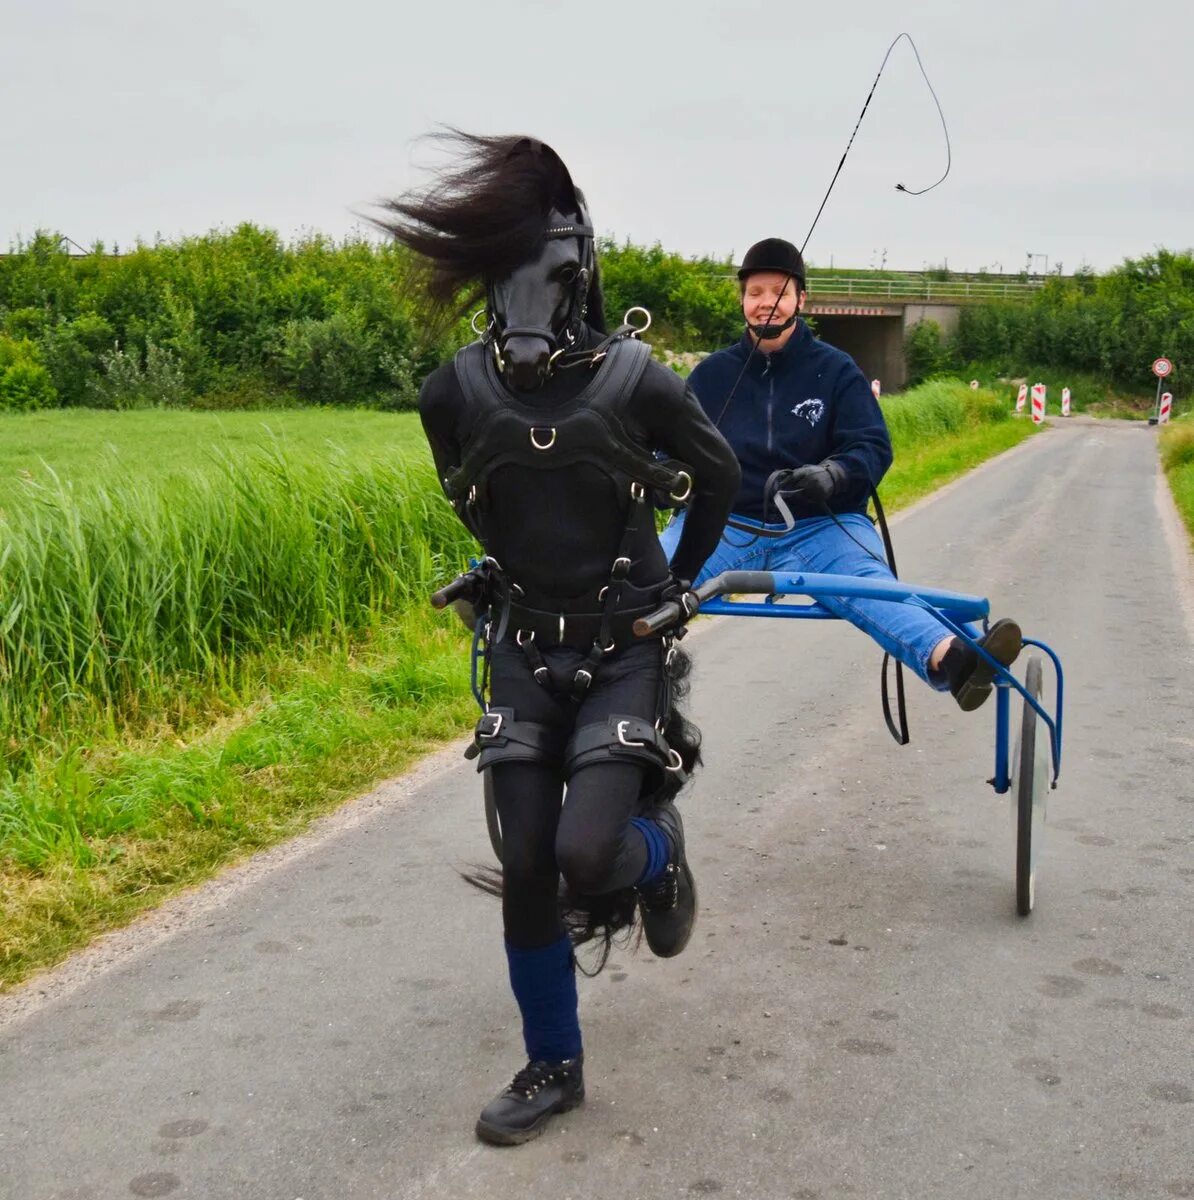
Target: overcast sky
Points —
{"points": [[703, 126]]}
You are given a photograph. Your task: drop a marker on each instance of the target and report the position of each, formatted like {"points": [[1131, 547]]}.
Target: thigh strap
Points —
{"points": [[500, 737], [621, 738]]}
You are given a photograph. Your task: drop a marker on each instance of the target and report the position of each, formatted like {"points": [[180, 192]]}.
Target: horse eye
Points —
{"points": [[568, 274]]}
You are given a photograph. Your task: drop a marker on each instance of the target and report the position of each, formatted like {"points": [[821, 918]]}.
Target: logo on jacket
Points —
{"points": [[811, 410]]}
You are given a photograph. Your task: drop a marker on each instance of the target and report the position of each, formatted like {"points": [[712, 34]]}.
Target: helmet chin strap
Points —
{"points": [[766, 331]]}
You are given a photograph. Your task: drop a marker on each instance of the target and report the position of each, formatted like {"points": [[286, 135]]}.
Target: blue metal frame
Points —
{"points": [[955, 610]]}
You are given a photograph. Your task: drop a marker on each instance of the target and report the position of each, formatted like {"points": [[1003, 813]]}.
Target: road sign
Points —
{"points": [[1021, 396], [1166, 408], [1162, 367]]}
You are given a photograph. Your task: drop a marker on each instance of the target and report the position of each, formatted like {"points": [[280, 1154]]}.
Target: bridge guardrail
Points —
{"points": [[922, 289]]}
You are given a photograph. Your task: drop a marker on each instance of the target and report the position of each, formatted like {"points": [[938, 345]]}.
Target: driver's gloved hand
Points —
{"points": [[815, 484]]}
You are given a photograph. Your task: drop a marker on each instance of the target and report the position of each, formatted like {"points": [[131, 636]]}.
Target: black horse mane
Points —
{"points": [[485, 215]]}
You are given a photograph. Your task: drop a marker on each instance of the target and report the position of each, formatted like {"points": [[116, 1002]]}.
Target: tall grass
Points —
{"points": [[937, 409], [107, 600], [1177, 459]]}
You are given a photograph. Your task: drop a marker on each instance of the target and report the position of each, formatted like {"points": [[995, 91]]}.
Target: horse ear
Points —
{"points": [[582, 206], [565, 195]]}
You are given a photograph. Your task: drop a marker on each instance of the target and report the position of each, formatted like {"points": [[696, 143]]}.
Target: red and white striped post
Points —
{"points": [[1021, 397], [876, 388], [1166, 408], [1038, 403], [1065, 402]]}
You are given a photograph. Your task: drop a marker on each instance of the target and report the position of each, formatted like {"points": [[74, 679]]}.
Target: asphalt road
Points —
{"points": [[860, 1013]]}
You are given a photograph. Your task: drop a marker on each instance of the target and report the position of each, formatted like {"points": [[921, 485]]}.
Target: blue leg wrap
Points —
{"points": [[658, 849], [544, 984]]}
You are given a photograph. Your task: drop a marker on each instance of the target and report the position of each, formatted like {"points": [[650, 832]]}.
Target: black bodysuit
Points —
{"points": [[555, 533]]}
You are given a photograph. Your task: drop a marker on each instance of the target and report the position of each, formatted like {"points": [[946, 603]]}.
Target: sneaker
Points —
{"points": [[971, 677], [668, 905], [538, 1092]]}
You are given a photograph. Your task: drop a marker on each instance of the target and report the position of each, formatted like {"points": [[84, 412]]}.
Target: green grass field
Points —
{"points": [[213, 628], [87, 446]]}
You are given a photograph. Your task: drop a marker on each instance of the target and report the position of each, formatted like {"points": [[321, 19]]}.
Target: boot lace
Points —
{"points": [[537, 1075], [664, 893]]}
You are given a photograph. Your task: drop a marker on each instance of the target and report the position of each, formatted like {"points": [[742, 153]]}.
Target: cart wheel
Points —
{"points": [[1031, 762], [492, 820]]}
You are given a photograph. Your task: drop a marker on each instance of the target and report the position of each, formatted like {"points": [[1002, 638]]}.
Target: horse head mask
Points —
{"points": [[509, 223]]}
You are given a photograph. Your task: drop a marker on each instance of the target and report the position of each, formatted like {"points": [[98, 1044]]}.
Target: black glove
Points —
{"points": [[814, 485]]}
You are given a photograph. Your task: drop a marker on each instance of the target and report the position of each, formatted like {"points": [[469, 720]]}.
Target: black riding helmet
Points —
{"points": [[773, 254]]}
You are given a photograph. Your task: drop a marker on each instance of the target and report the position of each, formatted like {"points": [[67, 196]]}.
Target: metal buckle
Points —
{"points": [[521, 640], [561, 639], [588, 678], [686, 492], [497, 719], [609, 646], [637, 491], [622, 738], [620, 569], [546, 445], [675, 763]]}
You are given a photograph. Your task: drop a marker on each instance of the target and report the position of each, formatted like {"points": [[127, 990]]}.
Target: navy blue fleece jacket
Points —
{"points": [[796, 407]]}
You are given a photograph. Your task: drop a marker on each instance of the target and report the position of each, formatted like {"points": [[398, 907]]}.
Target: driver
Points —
{"points": [[790, 404]]}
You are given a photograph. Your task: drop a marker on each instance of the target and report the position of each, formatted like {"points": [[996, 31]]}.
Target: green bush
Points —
{"points": [[1112, 325], [926, 352], [25, 384], [126, 382], [72, 351], [330, 361]]}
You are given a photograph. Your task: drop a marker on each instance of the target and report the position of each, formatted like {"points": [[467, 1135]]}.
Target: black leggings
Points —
{"points": [[585, 834]]}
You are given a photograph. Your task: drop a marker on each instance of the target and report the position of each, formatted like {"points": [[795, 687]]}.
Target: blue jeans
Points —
{"points": [[819, 546]]}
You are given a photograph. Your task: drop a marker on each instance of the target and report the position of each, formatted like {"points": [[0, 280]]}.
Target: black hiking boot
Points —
{"points": [[539, 1091], [970, 677], [669, 904]]}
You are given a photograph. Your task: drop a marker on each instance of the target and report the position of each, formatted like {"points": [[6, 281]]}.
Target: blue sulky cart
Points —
{"points": [[1031, 769]]}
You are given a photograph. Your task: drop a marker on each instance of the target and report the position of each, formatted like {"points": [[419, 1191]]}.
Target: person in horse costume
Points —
{"points": [[813, 446], [554, 441]]}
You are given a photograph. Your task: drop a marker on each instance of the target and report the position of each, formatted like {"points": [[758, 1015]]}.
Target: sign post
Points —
{"points": [[1021, 397], [1166, 408], [1161, 368], [1065, 402]]}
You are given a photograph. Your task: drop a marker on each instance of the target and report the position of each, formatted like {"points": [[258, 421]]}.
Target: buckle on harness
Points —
{"points": [[489, 726], [620, 569], [623, 739], [551, 441], [582, 679]]}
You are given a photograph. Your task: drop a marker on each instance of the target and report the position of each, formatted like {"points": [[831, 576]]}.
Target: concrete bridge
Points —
{"points": [[869, 316]]}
